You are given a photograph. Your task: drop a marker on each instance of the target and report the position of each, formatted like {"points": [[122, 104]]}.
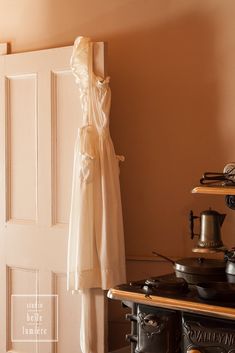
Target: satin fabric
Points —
{"points": [[96, 255]]}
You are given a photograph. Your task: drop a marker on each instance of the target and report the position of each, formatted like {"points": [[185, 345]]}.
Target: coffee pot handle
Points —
{"points": [[191, 221]]}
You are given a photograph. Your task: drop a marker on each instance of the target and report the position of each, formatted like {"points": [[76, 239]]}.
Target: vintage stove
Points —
{"points": [[170, 315], [190, 310]]}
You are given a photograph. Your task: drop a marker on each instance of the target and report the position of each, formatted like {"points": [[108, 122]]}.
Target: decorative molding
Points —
{"points": [[8, 153], [8, 308], [9, 292], [55, 313], [53, 148], [54, 141], [55, 277], [7, 149]]}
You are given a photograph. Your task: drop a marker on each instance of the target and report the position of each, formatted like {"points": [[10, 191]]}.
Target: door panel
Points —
{"points": [[21, 122], [65, 124], [39, 116]]}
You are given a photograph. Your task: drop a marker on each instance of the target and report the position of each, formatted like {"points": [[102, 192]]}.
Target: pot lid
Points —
{"points": [[200, 265]]}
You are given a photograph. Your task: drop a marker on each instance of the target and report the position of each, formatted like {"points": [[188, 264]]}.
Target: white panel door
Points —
{"points": [[39, 117]]}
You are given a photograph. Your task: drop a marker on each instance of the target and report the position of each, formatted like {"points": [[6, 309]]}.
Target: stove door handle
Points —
{"points": [[131, 338], [131, 317]]}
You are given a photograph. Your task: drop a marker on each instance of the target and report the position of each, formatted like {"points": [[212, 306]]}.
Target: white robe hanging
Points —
{"points": [[96, 255]]}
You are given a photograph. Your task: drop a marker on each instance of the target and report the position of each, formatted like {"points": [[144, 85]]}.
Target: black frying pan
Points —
{"points": [[216, 291]]}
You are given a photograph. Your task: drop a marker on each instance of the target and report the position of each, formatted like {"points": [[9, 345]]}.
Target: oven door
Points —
{"points": [[158, 330]]}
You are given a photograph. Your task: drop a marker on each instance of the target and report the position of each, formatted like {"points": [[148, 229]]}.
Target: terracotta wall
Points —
{"points": [[173, 85]]}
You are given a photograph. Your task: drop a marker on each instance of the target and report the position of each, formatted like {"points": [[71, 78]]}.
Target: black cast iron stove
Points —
{"points": [[170, 315]]}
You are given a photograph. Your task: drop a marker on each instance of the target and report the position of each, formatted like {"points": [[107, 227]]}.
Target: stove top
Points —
{"points": [[219, 293], [168, 285], [169, 291]]}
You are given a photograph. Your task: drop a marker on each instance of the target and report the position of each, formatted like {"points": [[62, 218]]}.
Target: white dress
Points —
{"points": [[96, 255]]}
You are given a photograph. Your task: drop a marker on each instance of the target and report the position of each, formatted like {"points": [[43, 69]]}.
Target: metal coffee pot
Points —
{"points": [[210, 236]]}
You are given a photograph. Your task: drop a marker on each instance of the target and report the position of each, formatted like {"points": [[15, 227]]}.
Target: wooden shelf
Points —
{"points": [[214, 190]]}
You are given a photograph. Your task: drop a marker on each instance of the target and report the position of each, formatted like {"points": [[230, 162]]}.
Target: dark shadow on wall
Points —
{"points": [[165, 84]]}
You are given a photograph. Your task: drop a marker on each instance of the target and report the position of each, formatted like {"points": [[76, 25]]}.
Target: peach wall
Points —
{"points": [[173, 84]]}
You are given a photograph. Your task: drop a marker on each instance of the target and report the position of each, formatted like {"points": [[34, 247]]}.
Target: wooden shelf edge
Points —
{"points": [[173, 303], [214, 190]]}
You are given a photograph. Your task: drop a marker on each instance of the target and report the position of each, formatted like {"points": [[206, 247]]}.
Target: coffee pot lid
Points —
{"points": [[210, 212]]}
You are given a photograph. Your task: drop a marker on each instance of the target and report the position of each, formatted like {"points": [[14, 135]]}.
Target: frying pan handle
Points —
{"points": [[163, 257]]}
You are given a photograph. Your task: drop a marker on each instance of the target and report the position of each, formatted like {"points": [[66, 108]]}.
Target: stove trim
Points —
{"points": [[173, 303]]}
